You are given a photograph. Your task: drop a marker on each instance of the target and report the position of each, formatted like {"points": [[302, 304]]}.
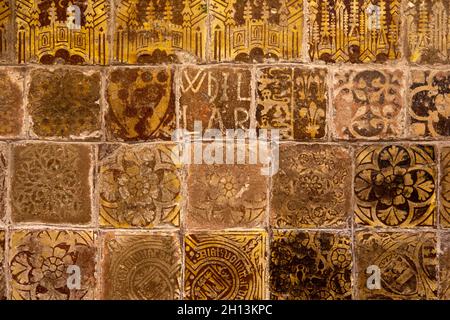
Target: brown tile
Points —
{"points": [[48, 31], [395, 186], [41, 261], [139, 186], [141, 104], [312, 187], [6, 30], [429, 100], [141, 267], [218, 97], [2, 271], [354, 30], [11, 102], [64, 103], [368, 104], [444, 266], [407, 262], [444, 210], [51, 183], [3, 183], [225, 266], [256, 31], [293, 100], [160, 31], [310, 265], [427, 31]]}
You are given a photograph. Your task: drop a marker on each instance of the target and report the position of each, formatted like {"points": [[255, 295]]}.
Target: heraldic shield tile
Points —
{"points": [[225, 266], [256, 31], [2, 270], [429, 104], [64, 103], [427, 29], [405, 264], [312, 188], [160, 31], [62, 32], [3, 183], [354, 30], [368, 104], [444, 264], [11, 104], [217, 97], [292, 100], [395, 186], [141, 267], [141, 104], [44, 263], [51, 183], [139, 186], [445, 188], [308, 265]]}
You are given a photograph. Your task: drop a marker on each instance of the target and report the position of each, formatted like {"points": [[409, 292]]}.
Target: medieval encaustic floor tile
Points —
{"points": [[2, 271], [292, 100], [141, 104], [368, 104], [51, 183], [52, 31], [154, 31], [395, 186], [354, 30], [256, 31], [64, 103], [312, 187], [139, 186], [444, 264], [6, 29], [445, 188], [3, 184], [406, 261], [310, 265], [41, 262], [429, 104], [216, 97], [428, 33], [139, 266], [225, 266], [11, 106]]}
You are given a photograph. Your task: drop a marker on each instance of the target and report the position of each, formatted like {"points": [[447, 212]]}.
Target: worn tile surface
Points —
{"points": [[2, 270], [368, 104], [444, 266], [153, 31], [64, 103], [11, 105], [312, 187], [141, 267], [141, 104], [50, 183], [3, 183], [225, 266], [428, 33], [139, 186], [354, 30], [217, 97], [6, 30], [429, 103], [39, 262], [310, 265], [407, 263], [256, 31], [395, 186], [292, 100], [445, 188]]}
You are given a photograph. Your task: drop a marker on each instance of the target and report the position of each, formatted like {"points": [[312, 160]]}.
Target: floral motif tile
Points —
{"points": [[141, 266], [354, 30], [429, 104], [292, 100], [217, 97], [50, 183], [444, 266], [55, 32], [427, 31], [64, 103], [225, 266], [6, 29], [312, 188], [395, 186], [256, 31], [407, 263], [445, 188], [11, 104], [2, 271], [42, 264], [139, 186], [368, 104], [3, 183], [154, 31], [141, 104], [310, 265]]}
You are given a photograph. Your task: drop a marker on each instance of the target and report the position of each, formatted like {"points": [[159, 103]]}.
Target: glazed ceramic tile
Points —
{"points": [[445, 188], [6, 30], [3, 182], [444, 265], [2, 271], [11, 102]]}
